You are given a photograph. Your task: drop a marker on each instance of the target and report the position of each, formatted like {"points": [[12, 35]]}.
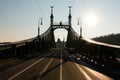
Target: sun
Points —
{"points": [[90, 19]]}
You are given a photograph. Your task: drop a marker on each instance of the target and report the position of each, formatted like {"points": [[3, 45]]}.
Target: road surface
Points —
{"points": [[57, 64]]}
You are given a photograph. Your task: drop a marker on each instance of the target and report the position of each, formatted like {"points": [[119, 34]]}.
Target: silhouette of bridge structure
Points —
{"points": [[89, 50]]}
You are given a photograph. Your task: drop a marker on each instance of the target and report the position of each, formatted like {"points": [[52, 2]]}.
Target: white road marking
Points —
{"points": [[61, 66], [17, 74], [99, 75], [25, 69], [46, 67], [84, 73], [81, 70]]}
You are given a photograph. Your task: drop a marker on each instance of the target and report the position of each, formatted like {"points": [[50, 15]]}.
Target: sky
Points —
{"points": [[19, 18]]}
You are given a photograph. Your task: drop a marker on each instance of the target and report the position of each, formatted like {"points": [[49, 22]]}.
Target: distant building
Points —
{"points": [[60, 44]]}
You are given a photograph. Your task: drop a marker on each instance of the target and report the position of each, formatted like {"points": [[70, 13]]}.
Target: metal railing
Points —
{"points": [[23, 48], [98, 52]]}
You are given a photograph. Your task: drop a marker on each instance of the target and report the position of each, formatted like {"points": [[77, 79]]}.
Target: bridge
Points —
{"points": [[43, 61]]}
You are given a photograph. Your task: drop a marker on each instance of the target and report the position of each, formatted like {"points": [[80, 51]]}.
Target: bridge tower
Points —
{"points": [[69, 17], [51, 16], [52, 42], [69, 36], [64, 25]]}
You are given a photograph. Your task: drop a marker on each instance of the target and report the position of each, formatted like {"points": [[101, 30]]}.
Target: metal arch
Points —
{"points": [[46, 32], [54, 27], [74, 33]]}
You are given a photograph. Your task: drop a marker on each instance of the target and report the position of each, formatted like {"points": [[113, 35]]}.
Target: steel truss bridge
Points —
{"points": [[90, 50]]}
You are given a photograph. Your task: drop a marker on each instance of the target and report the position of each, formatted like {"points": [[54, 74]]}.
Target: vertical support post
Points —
{"points": [[51, 17], [38, 29], [69, 17], [39, 23], [80, 19], [81, 29]]}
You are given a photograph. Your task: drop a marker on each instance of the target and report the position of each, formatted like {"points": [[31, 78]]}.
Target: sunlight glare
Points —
{"points": [[90, 19]]}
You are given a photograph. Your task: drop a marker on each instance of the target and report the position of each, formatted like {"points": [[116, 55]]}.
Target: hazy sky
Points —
{"points": [[19, 18]]}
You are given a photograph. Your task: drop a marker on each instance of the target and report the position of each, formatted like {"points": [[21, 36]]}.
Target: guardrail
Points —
{"points": [[99, 53], [26, 47], [12, 49], [20, 49]]}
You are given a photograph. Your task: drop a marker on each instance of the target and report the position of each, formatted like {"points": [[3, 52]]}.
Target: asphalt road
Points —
{"points": [[53, 65]]}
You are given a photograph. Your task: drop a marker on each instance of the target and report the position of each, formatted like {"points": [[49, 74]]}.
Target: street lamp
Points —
{"points": [[80, 23], [39, 23], [39, 37]]}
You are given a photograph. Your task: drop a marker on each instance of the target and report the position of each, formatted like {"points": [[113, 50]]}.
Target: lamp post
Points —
{"points": [[39, 23], [80, 23], [39, 37]]}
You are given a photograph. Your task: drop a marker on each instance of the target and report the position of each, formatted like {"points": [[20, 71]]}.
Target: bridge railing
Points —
{"points": [[8, 50], [26, 47], [20, 49], [99, 53]]}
